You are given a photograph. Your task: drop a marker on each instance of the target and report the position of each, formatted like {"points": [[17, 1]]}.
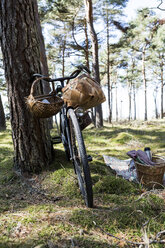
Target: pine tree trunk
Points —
{"points": [[21, 54], [144, 82], [108, 68], [155, 101], [86, 44], [2, 116], [63, 57], [130, 100], [134, 88], [89, 18], [134, 100], [111, 98], [162, 84], [116, 101], [43, 61]]}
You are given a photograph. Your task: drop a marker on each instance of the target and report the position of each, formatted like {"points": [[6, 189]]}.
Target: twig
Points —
{"points": [[121, 239], [152, 191], [151, 241], [67, 171], [158, 7]]}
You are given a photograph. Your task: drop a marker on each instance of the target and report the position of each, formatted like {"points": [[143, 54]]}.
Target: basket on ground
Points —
{"points": [[151, 175], [44, 106]]}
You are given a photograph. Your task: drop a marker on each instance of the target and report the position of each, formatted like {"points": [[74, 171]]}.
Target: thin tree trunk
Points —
{"points": [[116, 100], [111, 98], [95, 64], [130, 106], [86, 44], [21, 54], [133, 88], [144, 82], [63, 57], [130, 100], [155, 101], [43, 61], [162, 84], [108, 69], [2, 116], [134, 100]]}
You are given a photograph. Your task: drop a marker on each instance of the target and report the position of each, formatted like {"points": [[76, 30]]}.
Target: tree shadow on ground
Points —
{"points": [[83, 242]]}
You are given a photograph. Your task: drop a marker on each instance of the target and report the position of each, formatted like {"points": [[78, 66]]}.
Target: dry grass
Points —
{"points": [[48, 209]]}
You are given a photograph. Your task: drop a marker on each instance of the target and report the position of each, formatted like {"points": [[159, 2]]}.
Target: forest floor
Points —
{"points": [[47, 211]]}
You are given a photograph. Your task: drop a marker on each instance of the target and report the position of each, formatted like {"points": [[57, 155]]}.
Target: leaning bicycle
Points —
{"points": [[71, 135]]}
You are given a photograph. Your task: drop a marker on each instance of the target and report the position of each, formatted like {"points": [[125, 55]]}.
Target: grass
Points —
{"points": [[49, 209]]}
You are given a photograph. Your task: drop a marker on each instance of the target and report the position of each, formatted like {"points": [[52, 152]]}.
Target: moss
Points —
{"points": [[123, 138], [100, 169], [83, 218], [115, 207], [112, 185]]}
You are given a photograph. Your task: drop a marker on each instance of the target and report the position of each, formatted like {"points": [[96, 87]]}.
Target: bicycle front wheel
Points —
{"points": [[80, 160]]}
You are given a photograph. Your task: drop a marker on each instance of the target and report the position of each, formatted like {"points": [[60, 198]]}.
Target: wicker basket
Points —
{"points": [[151, 175], [41, 109]]}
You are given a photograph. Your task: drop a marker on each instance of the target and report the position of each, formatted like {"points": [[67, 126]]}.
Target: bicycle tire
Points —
{"points": [[63, 137], [80, 160]]}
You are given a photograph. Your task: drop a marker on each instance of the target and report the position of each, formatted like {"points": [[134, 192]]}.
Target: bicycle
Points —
{"points": [[72, 139]]}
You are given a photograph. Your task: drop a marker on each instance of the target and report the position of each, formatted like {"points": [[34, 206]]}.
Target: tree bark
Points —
{"points": [[2, 116], [86, 44], [21, 54], [108, 69], [43, 60], [116, 100], [95, 64], [144, 82], [130, 100], [155, 101], [162, 86], [134, 100], [63, 56]]}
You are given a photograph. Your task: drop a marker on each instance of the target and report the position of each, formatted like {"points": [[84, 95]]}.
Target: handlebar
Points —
{"points": [[62, 79]]}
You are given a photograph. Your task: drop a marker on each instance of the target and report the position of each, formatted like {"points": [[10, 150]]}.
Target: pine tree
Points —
{"points": [[21, 50]]}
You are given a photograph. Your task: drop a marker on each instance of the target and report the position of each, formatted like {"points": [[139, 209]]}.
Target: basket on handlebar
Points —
{"points": [[83, 92], [44, 106]]}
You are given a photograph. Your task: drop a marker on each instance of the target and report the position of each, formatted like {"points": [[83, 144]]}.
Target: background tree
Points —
{"points": [[2, 89], [21, 50], [2, 116], [95, 56], [110, 10], [158, 59]]}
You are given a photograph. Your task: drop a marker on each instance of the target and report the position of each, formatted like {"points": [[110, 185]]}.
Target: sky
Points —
{"points": [[130, 12], [133, 5]]}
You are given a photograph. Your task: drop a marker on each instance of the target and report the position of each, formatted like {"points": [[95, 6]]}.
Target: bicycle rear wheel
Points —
{"points": [[63, 136], [80, 160]]}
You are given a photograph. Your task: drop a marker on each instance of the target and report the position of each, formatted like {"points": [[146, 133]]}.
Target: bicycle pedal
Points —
{"points": [[56, 140], [89, 157]]}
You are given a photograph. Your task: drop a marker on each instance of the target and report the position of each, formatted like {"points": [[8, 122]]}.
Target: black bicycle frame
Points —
{"points": [[65, 127]]}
